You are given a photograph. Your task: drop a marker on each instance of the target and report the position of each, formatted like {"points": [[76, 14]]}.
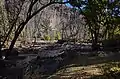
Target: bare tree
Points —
{"points": [[29, 14]]}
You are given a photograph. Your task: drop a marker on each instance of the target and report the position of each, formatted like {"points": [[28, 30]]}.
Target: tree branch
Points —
{"points": [[47, 6]]}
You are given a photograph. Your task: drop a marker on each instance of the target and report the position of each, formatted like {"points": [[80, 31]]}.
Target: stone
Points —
{"points": [[14, 52], [61, 41], [49, 66]]}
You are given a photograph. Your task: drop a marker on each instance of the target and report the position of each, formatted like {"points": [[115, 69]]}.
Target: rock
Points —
{"points": [[61, 41], [49, 66], [44, 66], [50, 53], [6, 52]]}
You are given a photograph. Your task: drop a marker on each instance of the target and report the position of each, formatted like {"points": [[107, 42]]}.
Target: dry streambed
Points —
{"points": [[83, 66]]}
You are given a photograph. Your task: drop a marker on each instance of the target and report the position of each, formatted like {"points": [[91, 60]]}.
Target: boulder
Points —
{"points": [[6, 52], [49, 66], [61, 41]]}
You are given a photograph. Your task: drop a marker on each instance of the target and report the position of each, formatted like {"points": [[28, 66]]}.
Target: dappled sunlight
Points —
{"points": [[86, 72], [81, 72]]}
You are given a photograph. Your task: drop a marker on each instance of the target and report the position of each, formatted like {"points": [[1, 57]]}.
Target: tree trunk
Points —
{"points": [[0, 48], [0, 53], [21, 27], [94, 42]]}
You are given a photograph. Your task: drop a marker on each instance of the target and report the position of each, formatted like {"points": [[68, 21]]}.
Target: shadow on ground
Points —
{"points": [[84, 67], [81, 66]]}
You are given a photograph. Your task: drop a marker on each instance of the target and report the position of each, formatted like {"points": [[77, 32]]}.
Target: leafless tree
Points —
{"points": [[16, 8]]}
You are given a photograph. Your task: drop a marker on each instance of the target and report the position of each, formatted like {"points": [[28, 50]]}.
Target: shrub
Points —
{"points": [[111, 44], [115, 41], [57, 36], [111, 70], [47, 37]]}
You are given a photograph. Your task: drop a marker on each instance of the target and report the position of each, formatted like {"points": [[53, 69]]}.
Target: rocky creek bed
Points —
{"points": [[46, 60]]}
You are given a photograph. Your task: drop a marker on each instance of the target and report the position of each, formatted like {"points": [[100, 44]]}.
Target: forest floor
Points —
{"points": [[81, 66]]}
